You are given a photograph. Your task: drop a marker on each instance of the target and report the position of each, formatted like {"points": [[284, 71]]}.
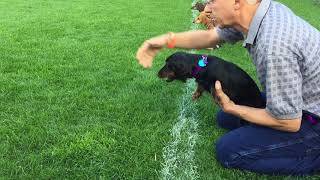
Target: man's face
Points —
{"points": [[222, 12]]}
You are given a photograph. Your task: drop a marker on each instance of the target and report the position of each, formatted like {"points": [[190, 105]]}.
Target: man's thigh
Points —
{"points": [[254, 142]]}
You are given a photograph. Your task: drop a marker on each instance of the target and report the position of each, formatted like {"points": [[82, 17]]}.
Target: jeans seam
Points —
{"points": [[270, 147]]}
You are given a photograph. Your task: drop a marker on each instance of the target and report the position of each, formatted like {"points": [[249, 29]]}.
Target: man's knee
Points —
{"points": [[227, 151]]}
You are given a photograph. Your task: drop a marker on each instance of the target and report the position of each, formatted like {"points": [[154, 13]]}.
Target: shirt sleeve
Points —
{"points": [[283, 87], [229, 35]]}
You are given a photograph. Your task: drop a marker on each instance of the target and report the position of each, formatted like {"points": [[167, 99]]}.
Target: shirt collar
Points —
{"points": [[256, 21]]}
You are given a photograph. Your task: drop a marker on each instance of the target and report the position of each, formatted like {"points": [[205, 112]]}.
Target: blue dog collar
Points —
{"points": [[201, 64]]}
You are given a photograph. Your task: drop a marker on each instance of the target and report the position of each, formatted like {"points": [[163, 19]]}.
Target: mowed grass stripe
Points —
{"points": [[179, 154]]}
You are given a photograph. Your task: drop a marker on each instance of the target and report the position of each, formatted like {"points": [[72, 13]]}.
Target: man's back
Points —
{"points": [[287, 55]]}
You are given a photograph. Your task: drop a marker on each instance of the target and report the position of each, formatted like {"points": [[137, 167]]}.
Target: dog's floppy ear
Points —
{"points": [[183, 68], [188, 69], [194, 6], [172, 67]]}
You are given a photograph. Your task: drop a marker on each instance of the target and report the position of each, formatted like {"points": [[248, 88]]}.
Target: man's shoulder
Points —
{"points": [[278, 28], [279, 15]]}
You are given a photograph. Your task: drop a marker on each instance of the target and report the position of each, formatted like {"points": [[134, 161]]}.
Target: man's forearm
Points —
{"points": [[261, 117], [197, 39]]}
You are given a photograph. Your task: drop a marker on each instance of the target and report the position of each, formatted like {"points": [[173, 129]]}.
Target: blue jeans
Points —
{"points": [[264, 150]]}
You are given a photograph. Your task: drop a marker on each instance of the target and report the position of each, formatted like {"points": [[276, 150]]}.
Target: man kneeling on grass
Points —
{"points": [[284, 137]]}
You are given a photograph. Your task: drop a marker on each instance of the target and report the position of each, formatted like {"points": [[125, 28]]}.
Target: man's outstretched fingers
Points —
{"points": [[143, 56]]}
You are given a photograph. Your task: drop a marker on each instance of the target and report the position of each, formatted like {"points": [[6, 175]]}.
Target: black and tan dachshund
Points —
{"points": [[206, 70]]}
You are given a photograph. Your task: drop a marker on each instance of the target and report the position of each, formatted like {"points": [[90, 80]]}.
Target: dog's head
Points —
{"points": [[178, 67], [201, 19], [205, 19]]}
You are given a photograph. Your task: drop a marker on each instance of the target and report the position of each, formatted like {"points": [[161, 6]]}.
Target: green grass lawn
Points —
{"points": [[74, 103]]}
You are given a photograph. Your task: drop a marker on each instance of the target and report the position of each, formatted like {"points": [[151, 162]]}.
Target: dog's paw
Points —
{"points": [[196, 95]]}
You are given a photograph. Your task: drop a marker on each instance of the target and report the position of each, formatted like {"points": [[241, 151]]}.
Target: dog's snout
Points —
{"points": [[160, 75]]}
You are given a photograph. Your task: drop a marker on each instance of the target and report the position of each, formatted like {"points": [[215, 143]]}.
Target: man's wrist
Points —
{"points": [[233, 109], [171, 42]]}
